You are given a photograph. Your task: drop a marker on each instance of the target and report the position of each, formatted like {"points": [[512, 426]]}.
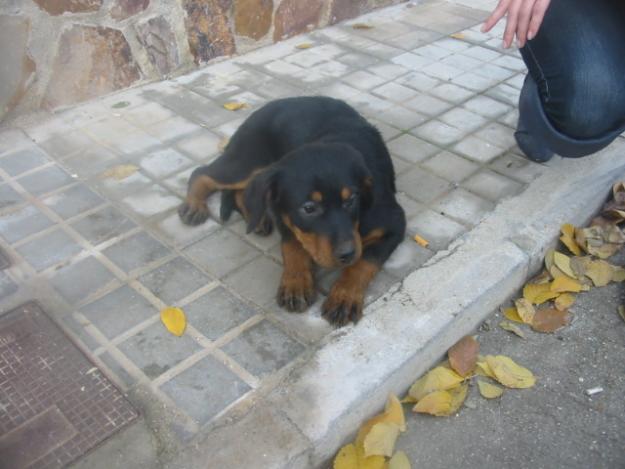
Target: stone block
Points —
{"points": [[421, 185], [464, 206], [174, 280], [158, 38], [58, 7], [23, 222], [252, 18], [294, 17], [73, 201], [207, 29], [135, 252], [102, 225], [123, 9], [436, 228], [75, 282], [49, 249]]}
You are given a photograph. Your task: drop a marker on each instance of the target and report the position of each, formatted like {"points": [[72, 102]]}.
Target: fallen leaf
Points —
{"points": [[394, 412], [304, 45], [600, 272], [550, 320], [563, 262], [566, 284], [568, 238], [235, 106], [564, 301], [543, 277], [380, 441], [463, 355], [437, 379], [555, 272], [621, 312], [399, 461], [408, 400], [549, 259], [174, 320], [508, 373], [538, 293], [121, 104], [618, 274], [525, 310], [346, 458], [371, 462], [604, 251], [512, 314], [579, 266], [508, 326], [489, 391], [436, 403], [421, 241], [120, 172], [482, 368], [458, 396], [361, 26], [546, 296], [457, 35]]}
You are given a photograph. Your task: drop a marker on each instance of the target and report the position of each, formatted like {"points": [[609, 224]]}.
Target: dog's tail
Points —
{"points": [[228, 205]]}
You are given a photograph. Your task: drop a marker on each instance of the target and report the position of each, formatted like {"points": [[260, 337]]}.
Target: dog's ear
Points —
{"points": [[261, 189]]}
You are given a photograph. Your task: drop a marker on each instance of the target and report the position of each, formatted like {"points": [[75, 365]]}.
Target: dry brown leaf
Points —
{"points": [[489, 391], [508, 326], [568, 238], [380, 441], [174, 320], [437, 379], [508, 373], [399, 461], [563, 262], [564, 301], [304, 45], [361, 26], [525, 310], [463, 355], [550, 320], [513, 315], [120, 172], [235, 106], [579, 265], [436, 403], [565, 284], [600, 272], [621, 312], [604, 251], [346, 458]]}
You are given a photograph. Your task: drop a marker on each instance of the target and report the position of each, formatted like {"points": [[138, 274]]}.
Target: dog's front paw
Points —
{"points": [[296, 292], [193, 213], [342, 306]]}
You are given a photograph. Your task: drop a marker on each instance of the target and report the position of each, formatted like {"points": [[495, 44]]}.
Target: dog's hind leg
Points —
{"points": [[232, 200]]}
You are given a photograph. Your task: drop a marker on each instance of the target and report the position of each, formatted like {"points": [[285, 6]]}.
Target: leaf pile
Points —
{"points": [[566, 275]]}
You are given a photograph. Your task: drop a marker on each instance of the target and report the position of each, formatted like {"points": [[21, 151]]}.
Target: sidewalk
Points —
{"points": [[103, 255]]}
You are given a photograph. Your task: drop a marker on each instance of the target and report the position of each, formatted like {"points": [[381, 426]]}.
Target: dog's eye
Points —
{"points": [[350, 200], [310, 208]]}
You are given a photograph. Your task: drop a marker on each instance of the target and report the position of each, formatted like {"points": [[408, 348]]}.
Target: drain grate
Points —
{"points": [[55, 405]]}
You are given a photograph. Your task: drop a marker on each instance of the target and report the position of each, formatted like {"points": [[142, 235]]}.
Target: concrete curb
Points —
{"points": [[323, 402]]}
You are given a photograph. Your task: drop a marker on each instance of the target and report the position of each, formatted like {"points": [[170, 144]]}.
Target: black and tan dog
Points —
{"points": [[322, 174]]}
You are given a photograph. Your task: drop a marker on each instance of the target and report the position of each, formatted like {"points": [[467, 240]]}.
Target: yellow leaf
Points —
{"points": [[361, 26], [457, 36], [579, 266], [543, 277], [604, 251], [483, 369], [555, 272], [565, 284], [436, 403], [394, 412], [346, 458], [304, 45], [513, 315], [120, 172], [550, 320], [235, 106], [568, 238], [438, 379], [531, 290], [549, 259], [564, 301], [489, 391], [421, 241], [508, 373], [174, 319], [463, 355], [508, 326], [399, 461], [600, 272], [381, 439], [563, 263], [618, 274], [546, 296], [371, 462], [458, 395], [621, 312], [525, 310]]}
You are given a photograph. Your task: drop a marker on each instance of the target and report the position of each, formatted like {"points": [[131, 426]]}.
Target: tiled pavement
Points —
{"points": [[114, 252]]}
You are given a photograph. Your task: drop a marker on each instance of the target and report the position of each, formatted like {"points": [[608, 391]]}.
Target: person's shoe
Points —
{"points": [[532, 148]]}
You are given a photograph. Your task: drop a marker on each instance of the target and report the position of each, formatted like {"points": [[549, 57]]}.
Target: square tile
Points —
{"points": [[494, 72], [49, 249], [419, 81], [486, 106], [441, 71], [263, 348], [155, 350], [172, 128], [356, 59], [517, 167], [401, 117], [492, 186], [387, 70], [163, 162], [463, 119], [481, 53], [23, 160], [9, 196], [437, 229], [73, 201], [172, 230], [77, 281], [257, 281], [174, 280], [133, 142], [45, 180], [136, 251], [440, 133], [205, 389], [410, 206], [406, 258], [497, 134], [117, 369], [264, 243], [412, 61], [475, 82], [102, 225], [506, 93], [152, 201], [201, 146], [7, 285], [216, 312], [118, 311], [117, 189], [463, 206], [24, 222], [452, 93], [411, 148], [221, 252], [432, 51], [422, 186], [363, 80], [148, 114], [394, 92], [368, 104], [427, 105], [477, 149], [90, 161], [450, 166], [462, 62]]}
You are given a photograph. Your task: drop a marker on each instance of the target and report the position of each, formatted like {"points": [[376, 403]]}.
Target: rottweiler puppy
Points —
{"points": [[315, 168]]}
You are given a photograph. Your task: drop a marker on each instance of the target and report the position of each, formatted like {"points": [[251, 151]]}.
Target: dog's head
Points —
{"points": [[318, 191]]}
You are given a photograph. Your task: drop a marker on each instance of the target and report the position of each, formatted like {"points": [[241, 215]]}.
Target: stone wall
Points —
{"points": [[59, 52]]}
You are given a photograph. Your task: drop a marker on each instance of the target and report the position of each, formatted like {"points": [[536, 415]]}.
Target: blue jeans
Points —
{"points": [[573, 99]]}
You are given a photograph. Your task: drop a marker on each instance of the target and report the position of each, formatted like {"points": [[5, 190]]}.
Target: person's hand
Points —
{"points": [[523, 19]]}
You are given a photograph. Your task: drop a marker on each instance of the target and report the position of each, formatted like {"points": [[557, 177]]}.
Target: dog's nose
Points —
{"points": [[346, 252]]}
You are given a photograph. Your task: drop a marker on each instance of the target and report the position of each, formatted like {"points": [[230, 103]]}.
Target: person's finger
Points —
{"points": [[525, 14], [496, 15], [538, 14], [511, 23]]}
